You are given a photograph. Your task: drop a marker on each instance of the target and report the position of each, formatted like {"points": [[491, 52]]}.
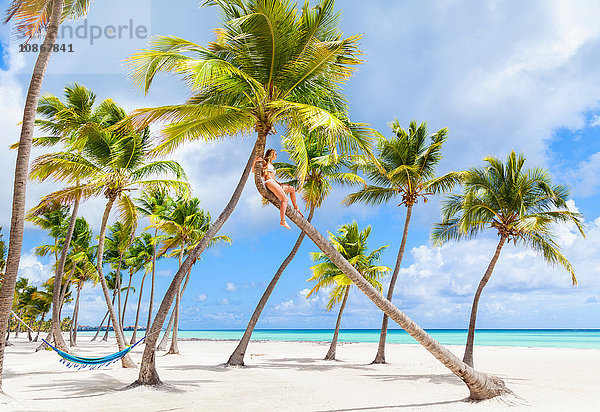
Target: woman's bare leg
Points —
{"points": [[278, 191], [290, 189]]}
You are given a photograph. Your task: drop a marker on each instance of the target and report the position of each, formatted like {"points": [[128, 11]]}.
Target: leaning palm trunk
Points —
{"points": [[29, 337], [165, 339], [21, 171], [126, 360], [481, 385], [75, 315], [153, 280], [331, 352], [118, 288], [380, 357], [126, 298], [59, 291], [237, 357], [100, 327], [148, 374], [468, 356], [137, 314], [37, 335], [18, 328], [174, 350]]}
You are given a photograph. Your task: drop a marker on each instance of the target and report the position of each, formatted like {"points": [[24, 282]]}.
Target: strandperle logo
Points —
{"points": [[94, 32]]}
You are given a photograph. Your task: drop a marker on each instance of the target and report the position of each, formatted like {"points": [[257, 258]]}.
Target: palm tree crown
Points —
{"points": [[249, 78], [522, 205], [352, 244], [405, 166]]}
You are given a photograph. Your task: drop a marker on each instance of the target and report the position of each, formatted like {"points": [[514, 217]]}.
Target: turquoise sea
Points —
{"points": [[541, 338]]}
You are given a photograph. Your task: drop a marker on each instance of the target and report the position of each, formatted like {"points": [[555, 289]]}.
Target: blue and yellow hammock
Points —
{"points": [[78, 362]]}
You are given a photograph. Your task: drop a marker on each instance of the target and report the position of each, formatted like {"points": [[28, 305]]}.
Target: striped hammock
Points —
{"points": [[78, 362]]}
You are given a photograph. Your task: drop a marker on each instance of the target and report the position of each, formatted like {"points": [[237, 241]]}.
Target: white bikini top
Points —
{"points": [[270, 167]]}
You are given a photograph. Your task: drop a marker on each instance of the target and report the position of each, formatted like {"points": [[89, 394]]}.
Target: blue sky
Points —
{"points": [[500, 75]]}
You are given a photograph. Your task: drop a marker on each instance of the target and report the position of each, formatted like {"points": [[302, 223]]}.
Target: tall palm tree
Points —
{"points": [[269, 66], [322, 169], [405, 167], [117, 242], [33, 17], [115, 160], [81, 259], [69, 122], [521, 204], [154, 205], [351, 242], [140, 256], [42, 303], [186, 225]]}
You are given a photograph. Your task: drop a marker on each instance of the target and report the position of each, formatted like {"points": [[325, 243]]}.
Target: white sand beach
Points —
{"points": [[292, 376]]}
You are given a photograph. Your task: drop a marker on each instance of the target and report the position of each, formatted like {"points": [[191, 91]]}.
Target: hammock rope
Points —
{"points": [[79, 362]]}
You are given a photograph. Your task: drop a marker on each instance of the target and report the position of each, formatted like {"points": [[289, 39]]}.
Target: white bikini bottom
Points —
{"points": [[270, 180]]}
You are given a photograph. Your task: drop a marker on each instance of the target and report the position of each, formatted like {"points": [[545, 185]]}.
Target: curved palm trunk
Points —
{"points": [[137, 314], [37, 335], [126, 360], [174, 350], [59, 292], [126, 298], [331, 352], [468, 356], [100, 327], [165, 339], [237, 357], [380, 356], [75, 316], [148, 374], [153, 280], [118, 288], [29, 336], [481, 385], [18, 328], [21, 170]]}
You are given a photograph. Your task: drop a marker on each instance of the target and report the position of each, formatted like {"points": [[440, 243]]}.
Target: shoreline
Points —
{"points": [[292, 376]]}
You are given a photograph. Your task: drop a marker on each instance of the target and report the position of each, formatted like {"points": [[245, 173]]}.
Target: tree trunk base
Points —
{"points": [[379, 360], [330, 356], [42, 346], [172, 352], [492, 388], [128, 363], [7, 343], [157, 384], [235, 360]]}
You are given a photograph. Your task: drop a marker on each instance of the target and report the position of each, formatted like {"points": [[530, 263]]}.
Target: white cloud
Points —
{"points": [[595, 121], [31, 268], [201, 297], [231, 287], [586, 178]]}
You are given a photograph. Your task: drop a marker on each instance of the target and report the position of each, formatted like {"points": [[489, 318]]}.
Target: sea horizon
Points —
{"points": [[580, 338]]}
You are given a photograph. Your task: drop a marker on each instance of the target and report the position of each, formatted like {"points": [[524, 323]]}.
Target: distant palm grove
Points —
{"points": [[273, 64]]}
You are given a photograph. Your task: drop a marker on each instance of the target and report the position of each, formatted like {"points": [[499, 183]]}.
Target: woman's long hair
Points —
{"points": [[268, 155]]}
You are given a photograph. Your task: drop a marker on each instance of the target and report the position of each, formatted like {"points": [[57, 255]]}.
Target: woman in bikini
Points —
{"points": [[281, 191]]}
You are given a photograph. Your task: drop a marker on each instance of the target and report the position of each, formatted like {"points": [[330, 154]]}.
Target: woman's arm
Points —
{"points": [[257, 158]]}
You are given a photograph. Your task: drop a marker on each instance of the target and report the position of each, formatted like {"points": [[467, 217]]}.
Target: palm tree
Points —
{"points": [[69, 123], [33, 17], [269, 66], [140, 254], [41, 304], [322, 169], [352, 244], [115, 161], [81, 259], [154, 204], [117, 242], [186, 225], [521, 205], [405, 166]]}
